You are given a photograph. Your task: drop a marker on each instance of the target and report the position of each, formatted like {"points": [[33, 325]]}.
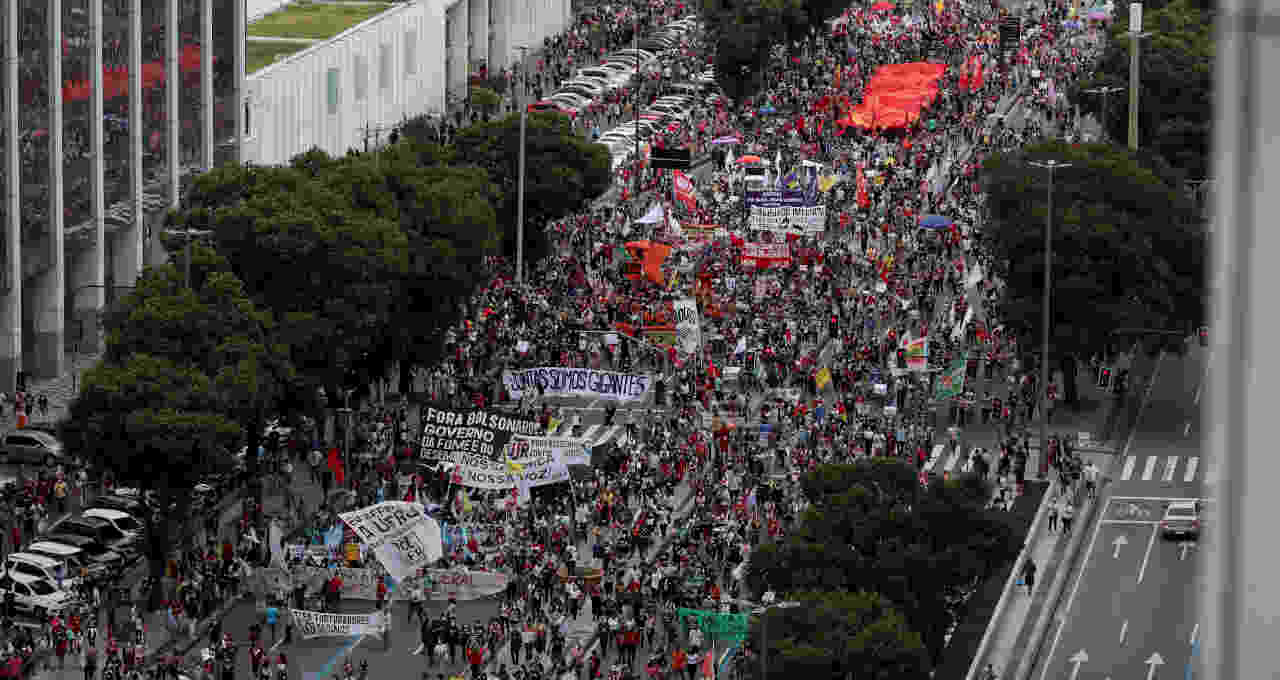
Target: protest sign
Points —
{"points": [[562, 449], [319, 624], [578, 382], [400, 534], [810, 220], [916, 352], [436, 584], [688, 325], [951, 381], [447, 433], [534, 470], [765, 255], [778, 199]]}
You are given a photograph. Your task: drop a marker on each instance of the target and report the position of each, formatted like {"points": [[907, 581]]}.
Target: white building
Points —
{"points": [[410, 60]]}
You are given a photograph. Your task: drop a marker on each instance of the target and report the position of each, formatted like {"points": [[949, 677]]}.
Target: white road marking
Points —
{"points": [[1186, 430], [1142, 571], [1124, 630], [589, 433], [952, 462], [1192, 463], [1071, 598], [1170, 464], [1131, 522], [1165, 499], [1129, 463], [1149, 468], [1195, 634]]}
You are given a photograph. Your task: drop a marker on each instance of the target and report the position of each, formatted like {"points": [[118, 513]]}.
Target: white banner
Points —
{"points": [[399, 533], [688, 326], [767, 251], [435, 584], [535, 470], [790, 218], [578, 382], [561, 449], [319, 624]]}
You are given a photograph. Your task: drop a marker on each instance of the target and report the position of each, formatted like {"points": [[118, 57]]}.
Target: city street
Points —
{"points": [[1132, 604]]}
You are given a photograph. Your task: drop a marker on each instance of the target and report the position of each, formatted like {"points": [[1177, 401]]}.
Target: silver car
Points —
{"points": [[31, 446]]}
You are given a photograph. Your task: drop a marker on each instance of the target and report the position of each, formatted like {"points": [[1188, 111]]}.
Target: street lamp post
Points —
{"points": [[1046, 317], [1105, 92], [524, 113], [189, 234], [1136, 34]]}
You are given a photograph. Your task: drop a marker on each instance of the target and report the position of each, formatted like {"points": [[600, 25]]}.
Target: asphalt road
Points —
{"points": [[1130, 611]]}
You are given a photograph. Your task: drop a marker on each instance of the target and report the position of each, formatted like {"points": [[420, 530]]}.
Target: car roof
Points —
{"points": [[87, 521], [73, 540], [106, 513], [1185, 505], [41, 560], [57, 547], [25, 578]]}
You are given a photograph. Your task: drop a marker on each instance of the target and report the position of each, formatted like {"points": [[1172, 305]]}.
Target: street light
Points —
{"points": [[768, 603], [190, 235], [1105, 92], [524, 112], [1050, 165], [1136, 34]]}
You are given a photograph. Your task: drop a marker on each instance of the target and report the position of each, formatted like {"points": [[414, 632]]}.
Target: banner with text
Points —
{"points": [[809, 220], [778, 199], [531, 470], [319, 624], [688, 325], [449, 433], [578, 382], [766, 255], [400, 534], [559, 449], [436, 584]]}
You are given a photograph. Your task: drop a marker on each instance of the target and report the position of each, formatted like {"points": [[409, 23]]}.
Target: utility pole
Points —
{"points": [[1046, 317], [1135, 37], [524, 113], [190, 235], [1105, 91]]}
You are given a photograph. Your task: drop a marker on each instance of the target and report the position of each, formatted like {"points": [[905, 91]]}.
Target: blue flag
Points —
{"points": [[333, 539]]}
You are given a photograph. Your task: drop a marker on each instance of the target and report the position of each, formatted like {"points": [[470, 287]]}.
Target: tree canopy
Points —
{"points": [[746, 31], [1128, 245], [1175, 111], [871, 526]]}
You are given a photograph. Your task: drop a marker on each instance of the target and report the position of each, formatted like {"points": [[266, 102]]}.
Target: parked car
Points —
{"points": [[122, 521], [96, 551], [76, 559], [31, 446], [34, 596], [35, 565], [136, 508], [101, 531]]}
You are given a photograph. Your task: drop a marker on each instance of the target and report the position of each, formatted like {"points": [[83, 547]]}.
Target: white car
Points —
{"points": [[122, 521], [670, 110], [644, 57], [612, 78], [586, 89], [35, 596], [619, 70]]}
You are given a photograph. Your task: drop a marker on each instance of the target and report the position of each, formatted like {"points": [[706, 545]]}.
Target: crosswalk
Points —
{"points": [[1160, 468], [944, 460]]}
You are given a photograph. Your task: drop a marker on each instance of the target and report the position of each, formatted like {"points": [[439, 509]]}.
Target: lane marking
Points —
{"points": [[1158, 498], [1071, 598], [1192, 463], [952, 462], [1142, 571], [1124, 630], [1149, 468], [1195, 634], [1170, 465], [1129, 463], [1131, 522], [1186, 430]]}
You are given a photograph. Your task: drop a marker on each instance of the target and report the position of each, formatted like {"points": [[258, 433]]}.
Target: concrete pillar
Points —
{"points": [[51, 283], [11, 267], [479, 10], [88, 268], [206, 84], [173, 115], [126, 260], [238, 91]]}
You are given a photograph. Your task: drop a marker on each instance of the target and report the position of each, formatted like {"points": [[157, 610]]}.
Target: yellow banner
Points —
{"points": [[823, 378]]}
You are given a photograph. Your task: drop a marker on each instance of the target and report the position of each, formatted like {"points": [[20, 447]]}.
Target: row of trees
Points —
{"points": [[319, 274], [883, 566], [746, 31]]}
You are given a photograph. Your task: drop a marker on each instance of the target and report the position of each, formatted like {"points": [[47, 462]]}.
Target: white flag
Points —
{"points": [[688, 325]]}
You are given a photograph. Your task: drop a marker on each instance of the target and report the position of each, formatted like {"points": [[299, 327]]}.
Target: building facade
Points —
{"points": [[107, 106], [98, 135]]}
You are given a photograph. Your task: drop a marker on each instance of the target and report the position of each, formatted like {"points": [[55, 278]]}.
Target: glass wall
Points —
{"points": [[190, 132], [77, 91], [115, 107], [33, 122], [224, 45], [155, 143]]}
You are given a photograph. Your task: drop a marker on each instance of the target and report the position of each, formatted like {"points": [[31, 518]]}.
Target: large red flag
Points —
{"points": [[335, 465]]}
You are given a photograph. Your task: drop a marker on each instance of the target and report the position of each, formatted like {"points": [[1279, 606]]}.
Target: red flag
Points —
{"points": [[863, 201], [707, 670], [335, 465], [684, 190]]}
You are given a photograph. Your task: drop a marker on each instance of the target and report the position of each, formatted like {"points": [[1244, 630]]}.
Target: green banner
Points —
{"points": [[717, 626], [951, 381]]}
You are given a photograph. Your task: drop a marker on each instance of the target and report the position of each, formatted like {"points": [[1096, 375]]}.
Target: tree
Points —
{"points": [[563, 171], [924, 550], [1128, 245], [1175, 115], [839, 634], [184, 374], [486, 100], [746, 31]]}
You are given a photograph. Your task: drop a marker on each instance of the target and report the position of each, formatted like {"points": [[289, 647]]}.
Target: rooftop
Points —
{"points": [[302, 24]]}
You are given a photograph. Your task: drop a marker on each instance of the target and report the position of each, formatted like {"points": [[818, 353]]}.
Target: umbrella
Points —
{"points": [[1098, 14], [726, 140], [935, 222], [743, 160], [882, 6], [768, 108]]}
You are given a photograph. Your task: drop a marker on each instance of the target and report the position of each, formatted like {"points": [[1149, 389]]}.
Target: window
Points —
{"points": [[333, 91], [384, 66], [410, 53], [361, 76], [42, 588], [24, 568]]}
